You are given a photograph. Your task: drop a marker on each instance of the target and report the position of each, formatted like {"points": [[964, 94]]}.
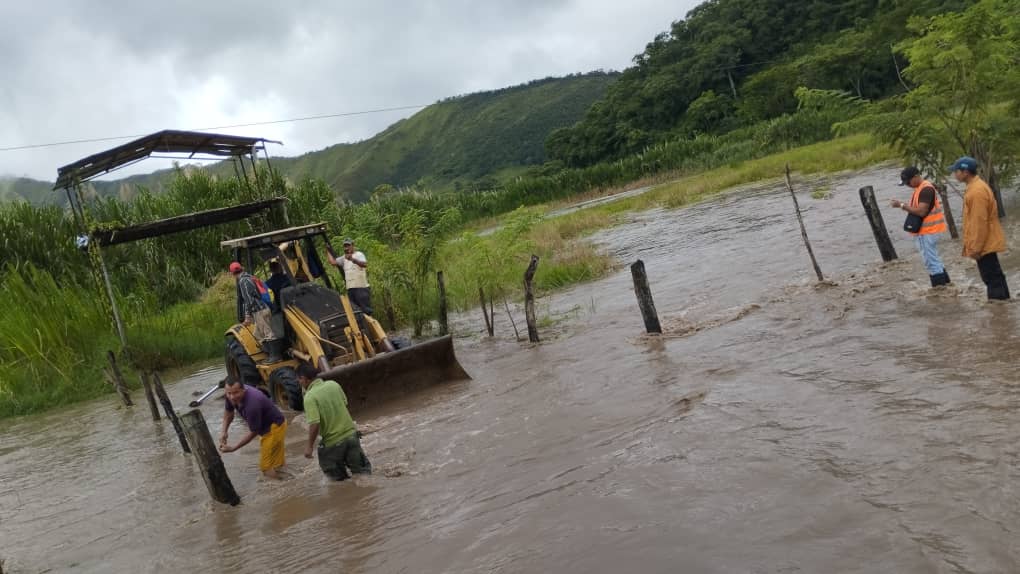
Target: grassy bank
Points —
{"points": [[55, 334], [52, 346], [843, 154]]}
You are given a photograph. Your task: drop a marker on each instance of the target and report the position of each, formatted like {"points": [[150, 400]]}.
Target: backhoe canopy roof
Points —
{"points": [[189, 145], [275, 237]]}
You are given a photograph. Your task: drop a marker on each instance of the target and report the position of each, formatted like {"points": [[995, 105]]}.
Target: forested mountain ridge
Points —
{"points": [[456, 142], [732, 63]]}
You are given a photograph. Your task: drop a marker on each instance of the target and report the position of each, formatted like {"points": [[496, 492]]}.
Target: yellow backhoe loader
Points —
{"points": [[314, 322]]}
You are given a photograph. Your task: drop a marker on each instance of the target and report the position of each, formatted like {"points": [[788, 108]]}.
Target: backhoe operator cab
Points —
{"points": [[311, 321]]}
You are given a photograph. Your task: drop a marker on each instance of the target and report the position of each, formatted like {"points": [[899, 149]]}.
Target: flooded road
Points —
{"points": [[867, 426]]}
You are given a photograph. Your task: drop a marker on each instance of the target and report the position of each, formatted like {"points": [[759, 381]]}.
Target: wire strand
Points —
{"points": [[231, 126]]}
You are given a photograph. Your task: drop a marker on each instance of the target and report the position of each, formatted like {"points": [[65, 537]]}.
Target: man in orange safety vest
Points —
{"points": [[925, 204]]}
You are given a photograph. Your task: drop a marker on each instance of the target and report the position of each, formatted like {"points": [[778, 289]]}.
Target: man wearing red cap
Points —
{"points": [[251, 305]]}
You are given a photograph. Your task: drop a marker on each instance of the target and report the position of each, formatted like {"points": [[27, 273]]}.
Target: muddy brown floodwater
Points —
{"points": [[778, 426]]}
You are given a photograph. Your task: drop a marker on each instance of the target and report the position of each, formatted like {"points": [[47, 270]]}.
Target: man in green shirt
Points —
{"points": [[328, 417]]}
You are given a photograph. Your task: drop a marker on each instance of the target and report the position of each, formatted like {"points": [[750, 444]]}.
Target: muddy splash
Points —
{"points": [[866, 426]]}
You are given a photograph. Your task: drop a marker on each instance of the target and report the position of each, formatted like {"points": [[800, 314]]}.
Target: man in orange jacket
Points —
{"points": [[925, 203], [983, 238]]}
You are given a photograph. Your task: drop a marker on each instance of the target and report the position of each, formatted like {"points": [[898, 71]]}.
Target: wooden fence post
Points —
{"points": [[950, 221], [803, 230], [168, 408], [118, 380], [208, 458], [486, 314], [151, 398], [644, 297], [885, 246], [444, 319], [529, 300], [506, 305]]}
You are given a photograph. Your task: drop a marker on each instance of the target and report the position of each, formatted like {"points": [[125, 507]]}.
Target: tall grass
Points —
{"points": [[54, 339]]}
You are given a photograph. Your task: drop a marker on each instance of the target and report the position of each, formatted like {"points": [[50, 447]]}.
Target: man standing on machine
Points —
{"points": [[251, 303], [353, 266]]}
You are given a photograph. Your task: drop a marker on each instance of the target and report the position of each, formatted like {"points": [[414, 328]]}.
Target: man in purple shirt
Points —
{"points": [[264, 420]]}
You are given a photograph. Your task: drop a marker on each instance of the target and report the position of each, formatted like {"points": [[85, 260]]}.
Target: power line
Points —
{"points": [[266, 123]]}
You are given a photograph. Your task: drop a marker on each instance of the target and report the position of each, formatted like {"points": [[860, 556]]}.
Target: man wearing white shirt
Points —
{"points": [[353, 266]]}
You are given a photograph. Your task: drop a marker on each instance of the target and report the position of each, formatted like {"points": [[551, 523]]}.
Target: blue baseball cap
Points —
{"points": [[965, 163]]}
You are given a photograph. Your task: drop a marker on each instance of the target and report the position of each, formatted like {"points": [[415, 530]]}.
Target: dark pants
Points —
{"points": [[346, 454], [362, 298], [991, 274]]}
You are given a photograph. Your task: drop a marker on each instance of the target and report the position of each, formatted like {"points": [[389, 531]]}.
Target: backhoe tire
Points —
{"points": [[400, 342], [240, 365], [285, 390]]}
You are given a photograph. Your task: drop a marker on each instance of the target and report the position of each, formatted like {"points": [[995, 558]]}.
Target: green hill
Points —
{"points": [[458, 142]]}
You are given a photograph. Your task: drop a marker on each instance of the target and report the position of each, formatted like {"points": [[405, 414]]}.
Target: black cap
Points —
{"points": [[908, 174]]}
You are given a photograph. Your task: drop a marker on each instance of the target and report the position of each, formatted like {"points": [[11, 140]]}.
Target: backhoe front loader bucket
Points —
{"points": [[397, 373]]}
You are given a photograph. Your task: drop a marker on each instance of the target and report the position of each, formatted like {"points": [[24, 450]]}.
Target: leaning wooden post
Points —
{"points": [[803, 230], [950, 221], [168, 408], [485, 313], [444, 319], [506, 305], [150, 397], [118, 379], [644, 298], [885, 246], [208, 458], [529, 300]]}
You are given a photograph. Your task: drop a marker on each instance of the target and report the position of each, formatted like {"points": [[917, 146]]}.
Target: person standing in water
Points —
{"points": [[328, 417], [925, 203], [983, 238], [264, 420]]}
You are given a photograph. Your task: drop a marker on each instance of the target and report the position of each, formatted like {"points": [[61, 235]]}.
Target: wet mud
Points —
{"points": [[866, 425]]}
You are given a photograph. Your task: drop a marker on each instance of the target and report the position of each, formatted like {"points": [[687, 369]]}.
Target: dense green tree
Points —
{"points": [[755, 52], [964, 74]]}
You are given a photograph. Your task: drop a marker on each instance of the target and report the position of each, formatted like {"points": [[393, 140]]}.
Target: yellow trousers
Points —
{"points": [[271, 451]]}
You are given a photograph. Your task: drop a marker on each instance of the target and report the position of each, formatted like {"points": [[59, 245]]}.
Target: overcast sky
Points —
{"points": [[74, 70]]}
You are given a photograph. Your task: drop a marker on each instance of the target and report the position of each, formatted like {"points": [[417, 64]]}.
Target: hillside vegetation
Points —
{"points": [[452, 144], [733, 63], [456, 142]]}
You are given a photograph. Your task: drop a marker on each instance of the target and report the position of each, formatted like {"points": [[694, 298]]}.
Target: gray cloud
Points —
{"points": [[72, 70]]}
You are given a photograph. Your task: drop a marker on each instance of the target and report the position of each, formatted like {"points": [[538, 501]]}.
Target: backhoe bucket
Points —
{"points": [[397, 373]]}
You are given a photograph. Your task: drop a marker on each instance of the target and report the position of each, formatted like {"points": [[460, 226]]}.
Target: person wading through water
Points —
{"points": [[264, 420], [926, 206], [983, 238], [328, 417]]}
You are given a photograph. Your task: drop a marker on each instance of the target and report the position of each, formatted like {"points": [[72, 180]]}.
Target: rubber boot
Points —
{"points": [[935, 280], [945, 277]]}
